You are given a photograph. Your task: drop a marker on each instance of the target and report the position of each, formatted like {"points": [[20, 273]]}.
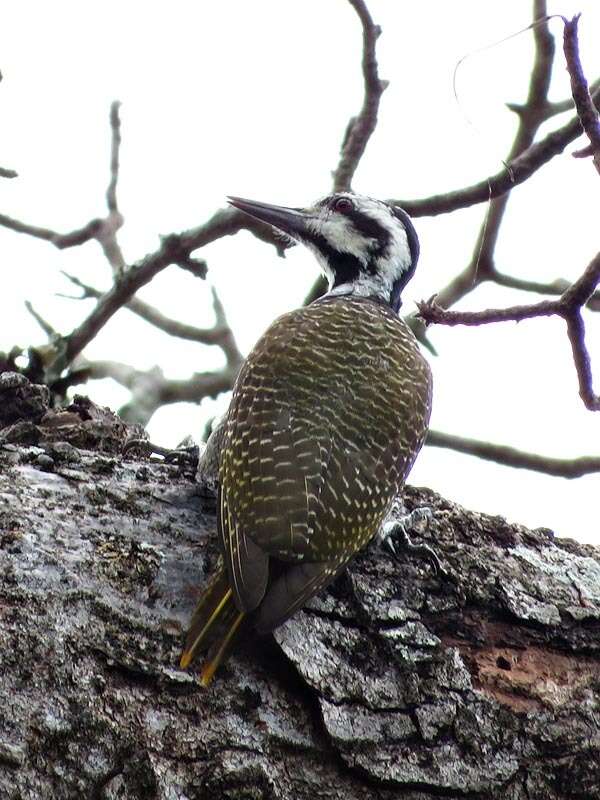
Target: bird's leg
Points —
{"points": [[185, 456], [394, 534]]}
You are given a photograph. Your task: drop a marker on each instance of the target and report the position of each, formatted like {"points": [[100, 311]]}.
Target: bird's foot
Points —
{"points": [[394, 536], [185, 456]]}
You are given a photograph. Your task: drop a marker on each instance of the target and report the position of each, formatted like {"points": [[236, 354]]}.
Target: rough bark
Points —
{"points": [[393, 684]]}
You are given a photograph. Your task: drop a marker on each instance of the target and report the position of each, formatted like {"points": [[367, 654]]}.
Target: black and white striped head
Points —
{"points": [[364, 246]]}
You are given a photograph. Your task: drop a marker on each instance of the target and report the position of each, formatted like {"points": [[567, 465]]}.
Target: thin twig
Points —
{"points": [[581, 93], [115, 126], [44, 324], [103, 230], [582, 291], [150, 390], [227, 342], [174, 249], [360, 128], [568, 306], [562, 106], [511, 457], [434, 314], [220, 334], [61, 240], [531, 115], [519, 170], [107, 234], [557, 287]]}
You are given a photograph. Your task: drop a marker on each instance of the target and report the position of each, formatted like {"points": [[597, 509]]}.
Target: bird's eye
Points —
{"points": [[343, 205]]}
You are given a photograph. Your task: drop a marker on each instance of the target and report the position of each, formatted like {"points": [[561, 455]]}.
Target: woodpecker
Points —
{"points": [[328, 414]]}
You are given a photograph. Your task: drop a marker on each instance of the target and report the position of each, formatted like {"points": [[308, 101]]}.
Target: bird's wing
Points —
{"points": [[247, 564], [272, 473], [291, 590], [312, 457]]}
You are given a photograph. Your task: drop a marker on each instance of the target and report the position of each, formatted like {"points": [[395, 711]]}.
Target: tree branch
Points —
{"points": [[519, 170], [568, 306], [107, 235], [562, 106], [511, 457], [103, 230], [44, 324], [61, 240], [219, 334], [150, 390], [360, 128], [557, 287], [174, 249], [581, 291], [531, 115], [580, 91], [115, 126]]}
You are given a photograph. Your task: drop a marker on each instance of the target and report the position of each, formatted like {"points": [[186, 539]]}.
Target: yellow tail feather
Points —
{"points": [[211, 665], [191, 647], [213, 627]]}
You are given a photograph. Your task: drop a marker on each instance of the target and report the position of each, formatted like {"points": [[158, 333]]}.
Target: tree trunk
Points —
{"points": [[393, 684]]}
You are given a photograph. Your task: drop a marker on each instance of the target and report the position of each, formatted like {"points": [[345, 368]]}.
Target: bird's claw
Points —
{"points": [[183, 456], [394, 536]]}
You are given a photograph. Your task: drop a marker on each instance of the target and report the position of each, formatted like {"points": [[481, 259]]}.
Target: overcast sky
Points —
{"points": [[252, 99]]}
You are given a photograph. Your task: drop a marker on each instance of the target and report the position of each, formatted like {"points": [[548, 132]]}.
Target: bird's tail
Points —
{"points": [[214, 626]]}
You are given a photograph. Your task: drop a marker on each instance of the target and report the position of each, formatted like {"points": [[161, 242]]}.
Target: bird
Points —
{"points": [[327, 416]]}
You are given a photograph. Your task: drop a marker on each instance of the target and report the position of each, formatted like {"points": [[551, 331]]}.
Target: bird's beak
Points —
{"points": [[292, 221]]}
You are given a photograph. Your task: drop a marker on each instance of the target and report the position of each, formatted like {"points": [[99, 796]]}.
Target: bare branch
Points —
{"points": [[519, 170], [60, 240], [220, 334], [107, 234], [44, 324], [103, 230], [570, 301], [360, 128], [531, 115], [115, 126], [511, 457], [227, 341], [225, 222], [581, 359], [557, 287], [581, 94], [568, 306], [150, 390], [124, 288], [174, 249], [435, 314], [567, 104], [572, 297]]}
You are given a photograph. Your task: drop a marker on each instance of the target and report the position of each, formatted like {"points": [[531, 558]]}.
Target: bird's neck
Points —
{"points": [[370, 287]]}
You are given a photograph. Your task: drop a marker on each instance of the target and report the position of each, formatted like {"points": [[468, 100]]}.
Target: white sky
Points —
{"points": [[252, 99]]}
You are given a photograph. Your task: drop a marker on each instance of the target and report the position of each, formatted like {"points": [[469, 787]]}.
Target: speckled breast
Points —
{"points": [[328, 414]]}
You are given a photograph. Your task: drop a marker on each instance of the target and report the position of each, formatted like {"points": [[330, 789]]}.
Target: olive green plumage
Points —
{"points": [[327, 417]]}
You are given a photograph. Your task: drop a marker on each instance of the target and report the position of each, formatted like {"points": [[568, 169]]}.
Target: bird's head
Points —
{"points": [[364, 246]]}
